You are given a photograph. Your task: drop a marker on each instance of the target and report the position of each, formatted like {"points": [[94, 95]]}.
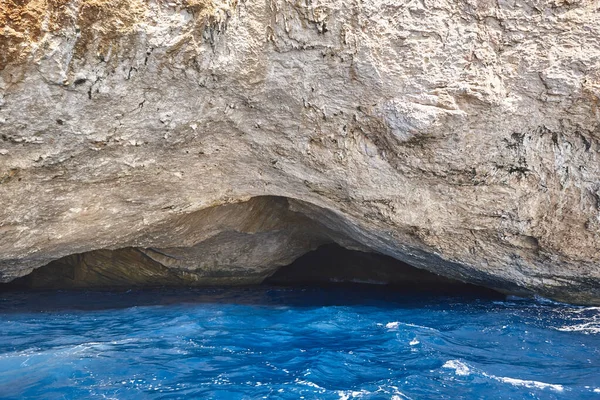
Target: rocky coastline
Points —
{"points": [[216, 141]]}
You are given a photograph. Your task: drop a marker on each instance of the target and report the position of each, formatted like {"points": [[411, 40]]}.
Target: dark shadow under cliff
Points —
{"points": [[328, 266], [332, 265]]}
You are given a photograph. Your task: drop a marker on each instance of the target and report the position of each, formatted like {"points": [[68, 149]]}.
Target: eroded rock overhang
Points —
{"points": [[267, 239], [248, 242]]}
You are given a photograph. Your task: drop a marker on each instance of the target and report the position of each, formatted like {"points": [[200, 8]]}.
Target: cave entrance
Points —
{"points": [[330, 265], [266, 239], [333, 265]]}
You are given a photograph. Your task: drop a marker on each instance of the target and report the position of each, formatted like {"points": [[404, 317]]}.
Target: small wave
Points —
{"points": [[307, 383], [397, 324], [253, 346], [421, 327], [588, 327], [586, 320], [350, 394], [528, 384], [585, 309], [459, 367], [543, 300], [396, 395], [400, 396]]}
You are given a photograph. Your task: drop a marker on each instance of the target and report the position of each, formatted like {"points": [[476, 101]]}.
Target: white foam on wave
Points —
{"points": [[348, 394], [67, 349], [396, 325], [587, 327], [528, 384], [400, 396], [597, 390], [585, 320], [584, 309], [459, 367], [396, 395], [543, 300], [421, 327], [307, 383]]}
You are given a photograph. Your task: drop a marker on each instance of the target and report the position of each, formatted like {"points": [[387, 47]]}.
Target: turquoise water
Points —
{"points": [[336, 343]]}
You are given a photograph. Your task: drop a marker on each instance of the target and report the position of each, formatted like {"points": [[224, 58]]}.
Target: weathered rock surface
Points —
{"points": [[461, 137]]}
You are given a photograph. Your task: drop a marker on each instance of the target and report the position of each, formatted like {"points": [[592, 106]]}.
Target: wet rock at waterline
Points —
{"points": [[459, 137]]}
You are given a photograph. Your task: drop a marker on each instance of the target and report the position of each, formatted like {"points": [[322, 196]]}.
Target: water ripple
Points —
{"points": [[292, 343]]}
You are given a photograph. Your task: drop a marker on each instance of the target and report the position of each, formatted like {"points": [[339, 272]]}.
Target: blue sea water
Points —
{"points": [[312, 343]]}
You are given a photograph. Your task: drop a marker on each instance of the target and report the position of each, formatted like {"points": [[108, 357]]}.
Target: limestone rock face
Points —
{"points": [[461, 137]]}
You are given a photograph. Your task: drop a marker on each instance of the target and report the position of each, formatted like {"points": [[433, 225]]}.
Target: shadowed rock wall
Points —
{"points": [[331, 264]]}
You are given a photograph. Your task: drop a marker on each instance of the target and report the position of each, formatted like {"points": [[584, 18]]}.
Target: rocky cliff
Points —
{"points": [[227, 138]]}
